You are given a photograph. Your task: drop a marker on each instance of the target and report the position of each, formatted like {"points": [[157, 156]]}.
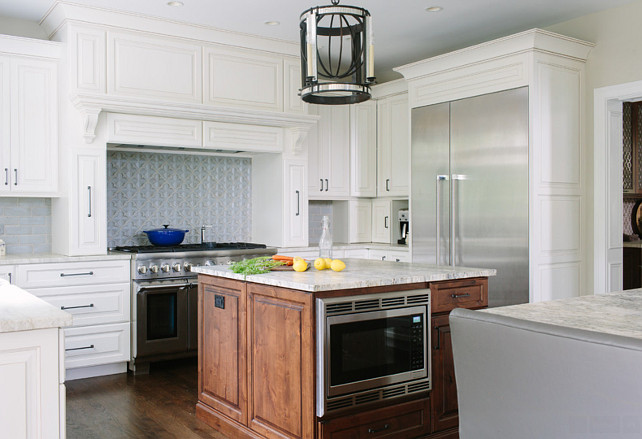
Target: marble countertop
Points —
{"points": [[44, 258], [614, 313], [22, 311], [359, 273]]}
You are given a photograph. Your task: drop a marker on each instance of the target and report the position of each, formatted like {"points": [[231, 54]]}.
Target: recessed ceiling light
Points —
{"points": [[434, 9], [175, 4], [272, 23]]}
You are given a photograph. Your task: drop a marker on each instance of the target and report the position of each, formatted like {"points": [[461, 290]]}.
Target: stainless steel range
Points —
{"points": [[165, 296]]}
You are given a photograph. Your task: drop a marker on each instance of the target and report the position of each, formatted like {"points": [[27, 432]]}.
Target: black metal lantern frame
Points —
{"points": [[326, 76]]}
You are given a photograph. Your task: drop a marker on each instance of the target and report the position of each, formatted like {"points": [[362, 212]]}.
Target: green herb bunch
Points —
{"points": [[259, 265]]}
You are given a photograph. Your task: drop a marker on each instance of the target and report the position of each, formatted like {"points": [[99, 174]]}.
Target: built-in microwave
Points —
{"points": [[371, 348]]}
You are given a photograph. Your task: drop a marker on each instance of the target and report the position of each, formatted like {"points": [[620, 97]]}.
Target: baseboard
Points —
{"points": [[95, 371]]}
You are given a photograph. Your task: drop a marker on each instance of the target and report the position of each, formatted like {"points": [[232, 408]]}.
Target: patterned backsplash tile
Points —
{"points": [[146, 190]]}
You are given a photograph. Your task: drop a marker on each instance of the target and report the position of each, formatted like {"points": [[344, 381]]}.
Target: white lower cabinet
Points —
{"points": [[381, 221], [31, 390], [352, 221], [389, 255], [97, 294], [7, 272]]}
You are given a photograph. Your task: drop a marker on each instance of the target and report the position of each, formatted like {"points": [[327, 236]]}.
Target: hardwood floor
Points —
{"points": [[159, 405]]}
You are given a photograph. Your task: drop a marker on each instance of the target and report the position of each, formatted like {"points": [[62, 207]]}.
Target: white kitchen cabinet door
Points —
{"points": [[393, 141], [329, 154], [89, 227], [363, 149], [381, 221], [7, 272], [33, 167], [295, 215], [29, 388], [243, 78], [5, 123], [153, 67], [360, 221]]}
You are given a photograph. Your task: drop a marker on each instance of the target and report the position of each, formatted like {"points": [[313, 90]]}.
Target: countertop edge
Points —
{"points": [[22, 311], [50, 258]]}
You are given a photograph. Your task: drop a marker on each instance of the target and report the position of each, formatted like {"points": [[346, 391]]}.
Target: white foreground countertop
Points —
{"points": [[22, 311], [359, 273], [617, 313]]}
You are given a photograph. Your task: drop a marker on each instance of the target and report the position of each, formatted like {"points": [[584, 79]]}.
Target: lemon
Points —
{"points": [[328, 262], [319, 264], [337, 265], [300, 266], [297, 258]]}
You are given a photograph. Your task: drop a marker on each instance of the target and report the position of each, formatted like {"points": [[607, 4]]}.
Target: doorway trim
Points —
{"points": [[607, 172]]}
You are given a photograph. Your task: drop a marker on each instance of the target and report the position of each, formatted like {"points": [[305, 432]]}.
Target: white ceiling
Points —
{"points": [[404, 31]]}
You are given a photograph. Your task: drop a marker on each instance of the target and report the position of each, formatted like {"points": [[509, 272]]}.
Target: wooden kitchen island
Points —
{"points": [[258, 355]]}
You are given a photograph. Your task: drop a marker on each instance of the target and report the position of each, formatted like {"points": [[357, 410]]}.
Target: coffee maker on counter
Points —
{"points": [[404, 225]]}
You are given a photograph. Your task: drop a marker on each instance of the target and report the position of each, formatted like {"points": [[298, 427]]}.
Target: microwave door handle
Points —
{"points": [[440, 178]]}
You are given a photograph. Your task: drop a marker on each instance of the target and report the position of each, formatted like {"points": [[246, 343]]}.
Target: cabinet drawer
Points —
{"points": [[94, 345], [93, 305], [72, 273], [465, 293], [407, 420]]}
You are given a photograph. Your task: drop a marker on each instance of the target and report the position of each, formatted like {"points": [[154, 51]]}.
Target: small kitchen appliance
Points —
{"points": [[164, 296], [404, 225]]}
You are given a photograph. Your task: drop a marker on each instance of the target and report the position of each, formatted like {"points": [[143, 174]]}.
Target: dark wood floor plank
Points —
{"points": [[160, 405]]}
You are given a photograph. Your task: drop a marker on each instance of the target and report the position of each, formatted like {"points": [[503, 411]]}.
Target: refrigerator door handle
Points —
{"points": [[453, 220], [440, 178]]}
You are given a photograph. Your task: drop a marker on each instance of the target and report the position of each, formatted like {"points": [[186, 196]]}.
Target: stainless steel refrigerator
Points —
{"points": [[469, 188]]}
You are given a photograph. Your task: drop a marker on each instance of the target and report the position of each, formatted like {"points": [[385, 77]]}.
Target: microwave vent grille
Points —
{"points": [[392, 301], [395, 391], [412, 388], [421, 298], [366, 397], [338, 308], [340, 403], [364, 305]]}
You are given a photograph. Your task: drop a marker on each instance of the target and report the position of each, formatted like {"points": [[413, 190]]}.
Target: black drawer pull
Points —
{"points": [[81, 348], [377, 430], [89, 273], [91, 305], [459, 296]]}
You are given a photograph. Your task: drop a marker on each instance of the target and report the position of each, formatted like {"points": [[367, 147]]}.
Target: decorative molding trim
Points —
{"points": [[91, 106]]}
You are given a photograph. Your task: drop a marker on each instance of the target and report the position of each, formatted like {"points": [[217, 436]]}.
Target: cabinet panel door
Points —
{"points": [[363, 149], [89, 195], [153, 67], [88, 65], [381, 221], [316, 163], [281, 362], [34, 126], [5, 124], [444, 412], [243, 78], [222, 359], [292, 102], [393, 142], [360, 223], [337, 145], [97, 345], [295, 206]]}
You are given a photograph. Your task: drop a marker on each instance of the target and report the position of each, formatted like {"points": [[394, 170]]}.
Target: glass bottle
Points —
{"points": [[325, 243]]}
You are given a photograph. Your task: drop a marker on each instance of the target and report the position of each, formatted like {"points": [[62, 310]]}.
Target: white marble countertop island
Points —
{"points": [[359, 273], [617, 313], [22, 311]]}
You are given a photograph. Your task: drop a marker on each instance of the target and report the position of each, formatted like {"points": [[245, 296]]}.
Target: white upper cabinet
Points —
{"points": [[295, 206], [363, 149], [393, 144], [329, 153], [153, 67], [243, 78], [29, 122]]}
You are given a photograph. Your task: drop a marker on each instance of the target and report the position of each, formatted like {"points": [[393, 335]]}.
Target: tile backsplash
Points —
{"points": [[25, 225], [146, 190]]}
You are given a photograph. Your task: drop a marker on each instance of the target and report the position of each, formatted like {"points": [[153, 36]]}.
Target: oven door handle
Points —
{"points": [[158, 287]]}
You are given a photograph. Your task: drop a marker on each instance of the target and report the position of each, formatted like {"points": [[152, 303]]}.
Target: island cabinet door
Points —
{"points": [[221, 351], [444, 409], [281, 362]]}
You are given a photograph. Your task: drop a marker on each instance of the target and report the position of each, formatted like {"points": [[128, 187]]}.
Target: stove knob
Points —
{"points": [[142, 269], [165, 268], [176, 267], [153, 268], [187, 266]]}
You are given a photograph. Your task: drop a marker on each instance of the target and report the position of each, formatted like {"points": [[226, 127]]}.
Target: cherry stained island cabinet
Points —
{"points": [[257, 365]]}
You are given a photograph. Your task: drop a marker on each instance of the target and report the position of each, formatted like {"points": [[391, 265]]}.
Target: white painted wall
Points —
{"points": [[21, 28], [616, 59]]}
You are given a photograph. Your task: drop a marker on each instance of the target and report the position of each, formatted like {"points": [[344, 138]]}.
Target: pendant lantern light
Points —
{"points": [[337, 63]]}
